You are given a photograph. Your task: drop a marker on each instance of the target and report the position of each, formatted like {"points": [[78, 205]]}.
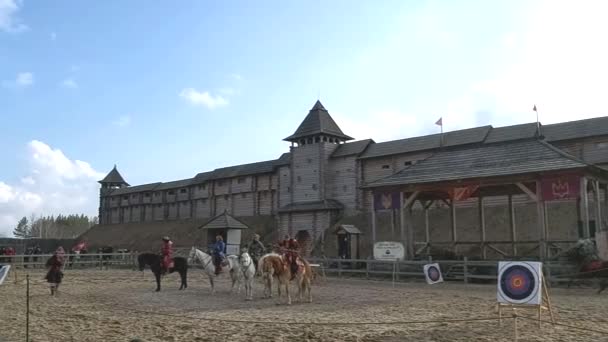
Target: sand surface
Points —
{"points": [[121, 305]]}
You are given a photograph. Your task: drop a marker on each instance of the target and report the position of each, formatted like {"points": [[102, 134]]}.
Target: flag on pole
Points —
{"points": [[440, 121], [534, 109]]}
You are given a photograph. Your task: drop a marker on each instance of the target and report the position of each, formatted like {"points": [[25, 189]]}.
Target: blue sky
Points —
{"points": [[169, 89]]}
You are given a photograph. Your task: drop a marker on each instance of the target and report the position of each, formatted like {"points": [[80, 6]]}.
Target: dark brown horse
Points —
{"points": [[154, 261]]}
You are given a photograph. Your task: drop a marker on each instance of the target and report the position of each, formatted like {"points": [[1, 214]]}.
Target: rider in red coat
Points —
{"points": [[167, 254], [291, 248]]}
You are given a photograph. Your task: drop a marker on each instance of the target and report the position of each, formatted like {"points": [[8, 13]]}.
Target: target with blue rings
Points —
{"points": [[519, 282], [432, 273]]}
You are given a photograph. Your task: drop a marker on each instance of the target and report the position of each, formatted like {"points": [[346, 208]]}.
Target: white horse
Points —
{"points": [[232, 263], [248, 269]]}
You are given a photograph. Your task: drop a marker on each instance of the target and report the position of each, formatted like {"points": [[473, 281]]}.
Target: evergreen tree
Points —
{"points": [[22, 230]]}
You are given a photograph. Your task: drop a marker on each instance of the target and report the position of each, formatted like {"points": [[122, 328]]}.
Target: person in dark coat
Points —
{"points": [[54, 276]]}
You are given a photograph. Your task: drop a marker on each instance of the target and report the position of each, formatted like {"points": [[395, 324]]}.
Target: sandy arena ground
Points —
{"points": [[120, 305]]}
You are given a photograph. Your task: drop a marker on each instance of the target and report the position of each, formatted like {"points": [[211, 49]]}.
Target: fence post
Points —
{"points": [[27, 308], [515, 327], [339, 268], [465, 271], [367, 269]]}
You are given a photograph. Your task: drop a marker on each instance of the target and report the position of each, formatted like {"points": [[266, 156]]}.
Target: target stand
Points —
{"points": [[522, 285]]}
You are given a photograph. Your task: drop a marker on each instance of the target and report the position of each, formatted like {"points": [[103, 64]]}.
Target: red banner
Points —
{"points": [[562, 187], [463, 193]]}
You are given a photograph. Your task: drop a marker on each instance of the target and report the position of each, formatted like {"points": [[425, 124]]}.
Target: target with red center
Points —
{"points": [[519, 282], [432, 272]]}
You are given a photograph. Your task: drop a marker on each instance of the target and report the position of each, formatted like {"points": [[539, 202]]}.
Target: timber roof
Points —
{"points": [[427, 142], [349, 228], [511, 133], [175, 184], [113, 177], [328, 204], [351, 148], [224, 221], [318, 121], [137, 188], [492, 160], [576, 129]]}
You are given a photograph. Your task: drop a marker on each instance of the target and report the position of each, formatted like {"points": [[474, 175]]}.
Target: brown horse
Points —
{"points": [[273, 265]]}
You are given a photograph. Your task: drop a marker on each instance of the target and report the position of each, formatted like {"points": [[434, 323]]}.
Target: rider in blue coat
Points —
{"points": [[218, 252]]}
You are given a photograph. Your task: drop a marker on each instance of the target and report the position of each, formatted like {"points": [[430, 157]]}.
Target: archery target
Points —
{"points": [[432, 272], [3, 272], [519, 282]]}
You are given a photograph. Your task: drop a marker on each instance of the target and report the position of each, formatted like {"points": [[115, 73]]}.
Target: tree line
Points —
{"points": [[55, 227]]}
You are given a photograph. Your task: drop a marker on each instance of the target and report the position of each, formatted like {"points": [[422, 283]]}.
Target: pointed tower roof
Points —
{"points": [[318, 121], [224, 220], [113, 177]]}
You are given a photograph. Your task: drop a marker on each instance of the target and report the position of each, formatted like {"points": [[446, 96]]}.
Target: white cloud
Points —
{"points": [[22, 80], [122, 121], [54, 184], [555, 62], [203, 98], [69, 83], [9, 22]]}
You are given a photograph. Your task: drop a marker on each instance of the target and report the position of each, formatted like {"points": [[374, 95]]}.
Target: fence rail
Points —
{"points": [[453, 270]]}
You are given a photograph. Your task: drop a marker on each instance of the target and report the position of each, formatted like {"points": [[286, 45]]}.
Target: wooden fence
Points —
{"points": [[467, 271]]}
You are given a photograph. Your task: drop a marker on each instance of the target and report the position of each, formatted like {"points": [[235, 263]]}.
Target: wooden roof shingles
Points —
{"points": [[576, 129], [175, 184], [511, 133], [328, 204], [351, 148], [113, 177], [318, 121], [224, 221], [427, 142], [505, 159], [137, 188]]}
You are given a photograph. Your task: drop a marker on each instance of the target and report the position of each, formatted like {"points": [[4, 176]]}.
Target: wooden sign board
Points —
{"points": [[389, 250]]}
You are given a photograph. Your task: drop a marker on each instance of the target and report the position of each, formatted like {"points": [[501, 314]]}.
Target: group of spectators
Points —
{"points": [[7, 253]]}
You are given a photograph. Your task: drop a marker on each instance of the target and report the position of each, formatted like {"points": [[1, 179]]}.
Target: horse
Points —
{"points": [[589, 265], [274, 265], [231, 262], [180, 265], [249, 271]]}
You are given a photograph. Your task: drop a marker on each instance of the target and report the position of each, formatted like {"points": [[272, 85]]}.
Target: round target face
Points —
{"points": [[433, 273], [519, 283]]}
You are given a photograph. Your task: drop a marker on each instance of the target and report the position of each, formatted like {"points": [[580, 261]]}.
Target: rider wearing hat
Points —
{"points": [[167, 253]]}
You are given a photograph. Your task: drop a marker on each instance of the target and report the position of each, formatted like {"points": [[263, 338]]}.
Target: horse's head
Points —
{"points": [[192, 255], [245, 259]]}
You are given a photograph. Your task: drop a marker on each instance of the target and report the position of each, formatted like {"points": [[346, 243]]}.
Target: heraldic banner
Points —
{"points": [[562, 187], [386, 200]]}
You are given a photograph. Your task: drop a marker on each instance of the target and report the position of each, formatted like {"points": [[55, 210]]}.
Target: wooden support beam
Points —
{"points": [[393, 219], [598, 206], [428, 204], [482, 228], [528, 192], [497, 250], [540, 211], [585, 208], [512, 225], [410, 200], [427, 231], [402, 219], [410, 233], [373, 221], [453, 220]]}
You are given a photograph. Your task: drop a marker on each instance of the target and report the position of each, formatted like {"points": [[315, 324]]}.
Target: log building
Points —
{"points": [[327, 179]]}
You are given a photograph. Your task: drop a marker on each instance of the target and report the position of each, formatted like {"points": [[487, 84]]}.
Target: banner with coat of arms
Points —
{"points": [[561, 187], [387, 200]]}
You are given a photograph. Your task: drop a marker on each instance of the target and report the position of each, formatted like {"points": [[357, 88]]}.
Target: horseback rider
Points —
{"points": [[290, 247], [167, 255], [256, 249], [218, 253]]}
